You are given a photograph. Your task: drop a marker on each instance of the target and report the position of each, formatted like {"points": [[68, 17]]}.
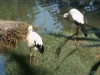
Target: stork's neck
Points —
{"points": [[29, 32]]}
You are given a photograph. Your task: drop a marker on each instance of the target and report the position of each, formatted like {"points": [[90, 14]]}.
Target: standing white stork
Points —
{"points": [[34, 41], [78, 19]]}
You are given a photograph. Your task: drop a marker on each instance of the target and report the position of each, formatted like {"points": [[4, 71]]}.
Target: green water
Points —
{"points": [[46, 14]]}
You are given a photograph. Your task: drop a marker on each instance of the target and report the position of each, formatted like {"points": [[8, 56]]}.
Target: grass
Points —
{"points": [[61, 56]]}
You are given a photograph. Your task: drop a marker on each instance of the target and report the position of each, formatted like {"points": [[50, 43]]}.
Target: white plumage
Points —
{"points": [[78, 19], [34, 41], [33, 38], [76, 15]]}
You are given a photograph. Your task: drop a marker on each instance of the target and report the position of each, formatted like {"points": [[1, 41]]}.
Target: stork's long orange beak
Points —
{"points": [[27, 36], [28, 33], [66, 18]]}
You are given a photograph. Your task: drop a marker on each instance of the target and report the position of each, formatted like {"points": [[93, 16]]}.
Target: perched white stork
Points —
{"points": [[78, 19], [34, 41]]}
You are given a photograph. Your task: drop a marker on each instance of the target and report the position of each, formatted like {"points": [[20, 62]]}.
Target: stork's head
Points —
{"points": [[66, 15], [30, 28]]}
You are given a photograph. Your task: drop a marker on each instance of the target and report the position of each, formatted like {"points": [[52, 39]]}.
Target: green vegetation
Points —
{"points": [[61, 56]]}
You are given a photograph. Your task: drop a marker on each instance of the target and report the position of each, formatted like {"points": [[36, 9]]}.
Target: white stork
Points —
{"points": [[78, 19], [34, 41]]}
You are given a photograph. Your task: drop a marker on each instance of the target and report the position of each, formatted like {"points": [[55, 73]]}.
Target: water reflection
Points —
{"points": [[89, 8], [47, 14], [46, 17], [2, 65]]}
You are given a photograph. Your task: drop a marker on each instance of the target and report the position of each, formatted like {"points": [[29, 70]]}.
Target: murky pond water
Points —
{"points": [[46, 14], [2, 65]]}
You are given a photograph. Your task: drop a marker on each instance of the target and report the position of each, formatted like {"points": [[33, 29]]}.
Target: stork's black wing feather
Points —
{"points": [[82, 27]]}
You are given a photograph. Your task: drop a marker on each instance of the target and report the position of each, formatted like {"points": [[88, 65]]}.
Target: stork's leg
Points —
{"points": [[30, 56], [76, 39], [34, 56]]}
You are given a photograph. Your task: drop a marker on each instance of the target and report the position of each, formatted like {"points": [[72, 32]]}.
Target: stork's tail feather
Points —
{"points": [[82, 27], [40, 48], [84, 30]]}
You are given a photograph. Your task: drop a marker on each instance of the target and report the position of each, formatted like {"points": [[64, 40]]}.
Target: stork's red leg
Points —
{"points": [[76, 38], [30, 56], [34, 56]]}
